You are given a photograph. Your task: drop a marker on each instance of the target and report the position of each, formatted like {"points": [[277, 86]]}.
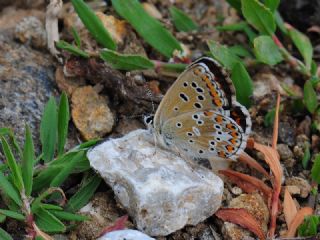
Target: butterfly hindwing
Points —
{"points": [[204, 134]]}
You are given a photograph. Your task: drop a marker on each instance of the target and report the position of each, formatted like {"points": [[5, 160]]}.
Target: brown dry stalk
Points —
{"points": [[243, 218]]}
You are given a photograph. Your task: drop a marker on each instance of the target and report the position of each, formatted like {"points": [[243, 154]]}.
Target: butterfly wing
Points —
{"points": [[204, 134], [203, 85]]}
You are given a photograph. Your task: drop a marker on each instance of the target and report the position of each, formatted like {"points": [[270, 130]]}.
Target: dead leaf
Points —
{"points": [[243, 218], [289, 207], [248, 183], [119, 224], [298, 219], [251, 162]]}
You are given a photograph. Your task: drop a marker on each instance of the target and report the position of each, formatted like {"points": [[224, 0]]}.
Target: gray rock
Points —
{"points": [[127, 234], [26, 82], [160, 190]]}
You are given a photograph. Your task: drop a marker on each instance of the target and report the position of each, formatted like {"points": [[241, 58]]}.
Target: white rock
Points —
{"points": [[160, 190], [127, 234]]}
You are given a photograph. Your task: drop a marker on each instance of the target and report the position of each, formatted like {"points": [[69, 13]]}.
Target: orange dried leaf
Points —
{"points": [[273, 160], [296, 222], [248, 183], [243, 218], [251, 162], [289, 208], [276, 124]]}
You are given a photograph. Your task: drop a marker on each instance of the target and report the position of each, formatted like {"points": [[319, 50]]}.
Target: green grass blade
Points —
{"points": [[93, 24], [83, 195], [272, 4], [72, 49], [67, 216], [67, 170], [47, 222], [12, 214], [148, 28], [12, 163], [182, 21], [63, 122], [28, 161], [48, 130], [8, 189], [76, 37], [4, 235], [125, 62], [45, 177]]}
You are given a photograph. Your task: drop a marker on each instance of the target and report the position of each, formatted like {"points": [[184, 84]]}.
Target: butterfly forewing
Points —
{"points": [[196, 89]]}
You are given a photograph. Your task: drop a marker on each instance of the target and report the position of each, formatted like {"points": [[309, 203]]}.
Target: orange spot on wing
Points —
{"points": [[230, 148], [230, 126], [207, 113], [218, 119], [218, 102], [234, 134], [222, 154], [233, 141]]}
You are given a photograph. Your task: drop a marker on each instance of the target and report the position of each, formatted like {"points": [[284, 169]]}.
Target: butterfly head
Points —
{"points": [[148, 121]]}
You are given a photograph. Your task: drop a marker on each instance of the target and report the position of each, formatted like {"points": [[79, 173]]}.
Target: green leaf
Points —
{"points": [[235, 4], [63, 122], [7, 188], [310, 97], [51, 207], [9, 132], [182, 21], [67, 216], [47, 222], [125, 62], [223, 55], [12, 163], [72, 49], [258, 16], [280, 23], [28, 162], [88, 144], [12, 214], [48, 130], [67, 170], [45, 177], [83, 195], [76, 37], [148, 28], [266, 50], [302, 42], [241, 26], [93, 24], [4, 235], [315, 171], [306, 156], [240, 51], [272, 4], [310, 226], [243, 84]]}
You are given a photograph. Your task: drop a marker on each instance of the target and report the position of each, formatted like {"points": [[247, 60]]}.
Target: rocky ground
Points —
{"points": [[101, 107]]}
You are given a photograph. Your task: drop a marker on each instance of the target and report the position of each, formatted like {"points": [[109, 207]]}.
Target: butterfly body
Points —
{"points": [[199, 116]]}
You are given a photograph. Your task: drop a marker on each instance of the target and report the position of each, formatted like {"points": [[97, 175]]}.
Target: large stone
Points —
{"points": [[161, 191]]}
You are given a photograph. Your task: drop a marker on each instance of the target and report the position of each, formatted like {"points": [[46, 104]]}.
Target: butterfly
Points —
{"points": [[199, 116]]}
